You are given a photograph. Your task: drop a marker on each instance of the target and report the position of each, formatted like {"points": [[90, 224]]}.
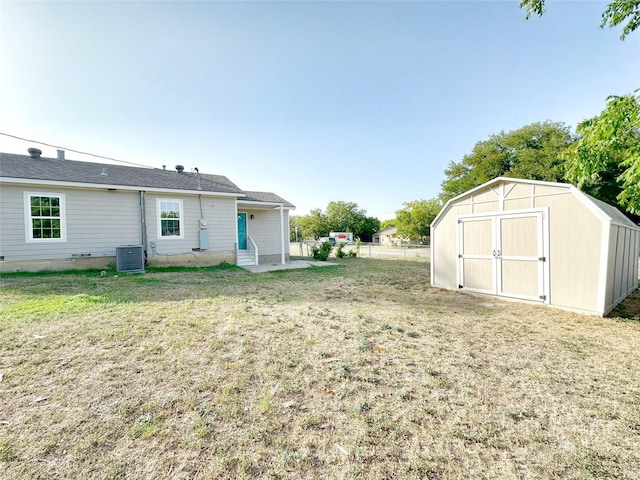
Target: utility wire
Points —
{"points": [[75, 151]]}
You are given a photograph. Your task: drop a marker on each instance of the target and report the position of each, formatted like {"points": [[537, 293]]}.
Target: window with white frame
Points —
{"points": [[170, 218], [45, 215]]}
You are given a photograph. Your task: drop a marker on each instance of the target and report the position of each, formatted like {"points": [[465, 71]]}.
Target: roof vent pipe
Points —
{"points": [[60, 154], [179, 168], [35, 153]]}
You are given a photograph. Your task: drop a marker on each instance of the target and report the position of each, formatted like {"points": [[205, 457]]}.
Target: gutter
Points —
{"points": [[143, 222], [106, 186]]}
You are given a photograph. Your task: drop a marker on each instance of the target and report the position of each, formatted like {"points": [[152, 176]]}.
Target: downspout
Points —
{"points": [[143, 223], [282, 233], [204, 236]]}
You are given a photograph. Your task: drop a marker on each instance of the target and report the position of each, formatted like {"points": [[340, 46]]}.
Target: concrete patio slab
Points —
{"points": [[269, 267]]}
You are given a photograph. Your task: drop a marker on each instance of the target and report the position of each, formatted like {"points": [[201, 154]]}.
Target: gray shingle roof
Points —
{"points": [[52, 169], [266, 197]]}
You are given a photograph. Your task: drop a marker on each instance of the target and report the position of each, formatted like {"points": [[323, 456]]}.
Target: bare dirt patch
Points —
{"points": [[359, 371]]}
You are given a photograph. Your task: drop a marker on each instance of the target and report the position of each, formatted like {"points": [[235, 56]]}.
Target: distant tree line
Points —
{"points": [[602, 158], [338, 217]]}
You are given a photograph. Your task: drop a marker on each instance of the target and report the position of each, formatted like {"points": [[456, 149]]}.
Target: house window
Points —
{"points": [[45, 214], [170, 218]]}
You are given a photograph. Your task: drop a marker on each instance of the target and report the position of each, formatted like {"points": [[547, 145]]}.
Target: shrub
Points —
{"points": [[340, 253], [321, 252]]}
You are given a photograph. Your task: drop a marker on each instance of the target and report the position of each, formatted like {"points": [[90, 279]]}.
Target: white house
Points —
{"points": [[62, 214], [388, 236]]}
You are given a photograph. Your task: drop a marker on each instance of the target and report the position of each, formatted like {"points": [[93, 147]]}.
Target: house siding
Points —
{"points": [[264, 228], [107, 206], [96, 223], [219, 213]]}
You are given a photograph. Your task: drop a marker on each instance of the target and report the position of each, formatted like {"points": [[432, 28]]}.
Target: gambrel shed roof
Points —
{"points": [[538, 241]]}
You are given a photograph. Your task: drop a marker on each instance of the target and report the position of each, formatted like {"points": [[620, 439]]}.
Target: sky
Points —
{"points": [[364, 102]]}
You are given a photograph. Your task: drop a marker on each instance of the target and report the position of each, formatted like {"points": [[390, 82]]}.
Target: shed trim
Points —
{"points": [[604, 260]]}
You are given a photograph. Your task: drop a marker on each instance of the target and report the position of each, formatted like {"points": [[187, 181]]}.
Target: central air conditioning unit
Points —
{"points": [[130, 258]]}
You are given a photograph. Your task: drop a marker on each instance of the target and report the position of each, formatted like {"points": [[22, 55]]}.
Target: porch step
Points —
{"points": [[245, 258]]}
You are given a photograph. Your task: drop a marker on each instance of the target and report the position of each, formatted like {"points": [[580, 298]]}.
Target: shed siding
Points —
{"points": [[517, 203], [574, 252], [519, 190], [590, 262], [445, 265], [547, 189], [485, 196], [623, 274], [97, 222], [485, 207]]}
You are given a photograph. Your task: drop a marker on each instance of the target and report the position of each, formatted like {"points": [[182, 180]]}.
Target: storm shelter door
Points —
{"points": [[504, 254]]}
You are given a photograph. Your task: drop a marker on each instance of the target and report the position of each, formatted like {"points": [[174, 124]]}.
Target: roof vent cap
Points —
{"points": [[35, 152], [179, 168]]}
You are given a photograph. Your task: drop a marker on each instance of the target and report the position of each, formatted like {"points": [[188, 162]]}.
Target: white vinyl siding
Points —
{"points": [[44, 214], [264, 228], [96, 221], [170, 218], [218, 212]]}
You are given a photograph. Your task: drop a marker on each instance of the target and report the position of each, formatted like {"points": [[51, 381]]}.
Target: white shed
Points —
{"points": [[540, 241]]}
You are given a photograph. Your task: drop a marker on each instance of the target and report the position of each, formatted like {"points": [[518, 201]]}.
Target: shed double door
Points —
{"points": [[504, 254]]}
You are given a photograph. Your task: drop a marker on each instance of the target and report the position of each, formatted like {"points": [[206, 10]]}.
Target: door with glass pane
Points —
{"points": [[242, 231]]}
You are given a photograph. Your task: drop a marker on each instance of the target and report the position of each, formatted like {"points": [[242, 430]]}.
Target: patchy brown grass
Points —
{"points": [[359, 371]]}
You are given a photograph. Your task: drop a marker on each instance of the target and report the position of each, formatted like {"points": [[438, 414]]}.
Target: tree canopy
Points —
{"points": [[338, 217], [414, 219], [616, 13], [531, 152], [384, 224], [311, 225], [605, 160]]}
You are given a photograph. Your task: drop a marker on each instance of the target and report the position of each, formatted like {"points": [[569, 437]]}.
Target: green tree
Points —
{"points": [[339, 217], [370, 226], [387, 224], [605, 160], [414, 218], [616, 13], [531, 152], [348, 217], [312, 225]]}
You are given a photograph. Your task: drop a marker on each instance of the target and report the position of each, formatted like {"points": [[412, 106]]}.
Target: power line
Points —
{"points": [[74, 151]]}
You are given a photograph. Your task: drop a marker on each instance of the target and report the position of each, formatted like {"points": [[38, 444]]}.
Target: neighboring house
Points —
{"points": [[388, 236], [61, 214]]}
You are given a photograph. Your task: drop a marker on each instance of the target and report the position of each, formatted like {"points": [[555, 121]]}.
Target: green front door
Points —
{"points": [[242, 231]]}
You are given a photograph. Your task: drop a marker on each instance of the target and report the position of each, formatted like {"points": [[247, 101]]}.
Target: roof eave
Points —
{"points": [[104, 186], [265, 204]]}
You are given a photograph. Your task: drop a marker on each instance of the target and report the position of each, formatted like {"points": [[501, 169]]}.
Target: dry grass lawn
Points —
{"points": [[355, 371]]}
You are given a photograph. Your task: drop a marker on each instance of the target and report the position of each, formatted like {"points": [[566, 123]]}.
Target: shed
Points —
{"points": [[539, 241]]}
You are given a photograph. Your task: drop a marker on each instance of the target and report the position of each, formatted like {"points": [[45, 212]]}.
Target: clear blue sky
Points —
{"points": [[317, 101]]}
